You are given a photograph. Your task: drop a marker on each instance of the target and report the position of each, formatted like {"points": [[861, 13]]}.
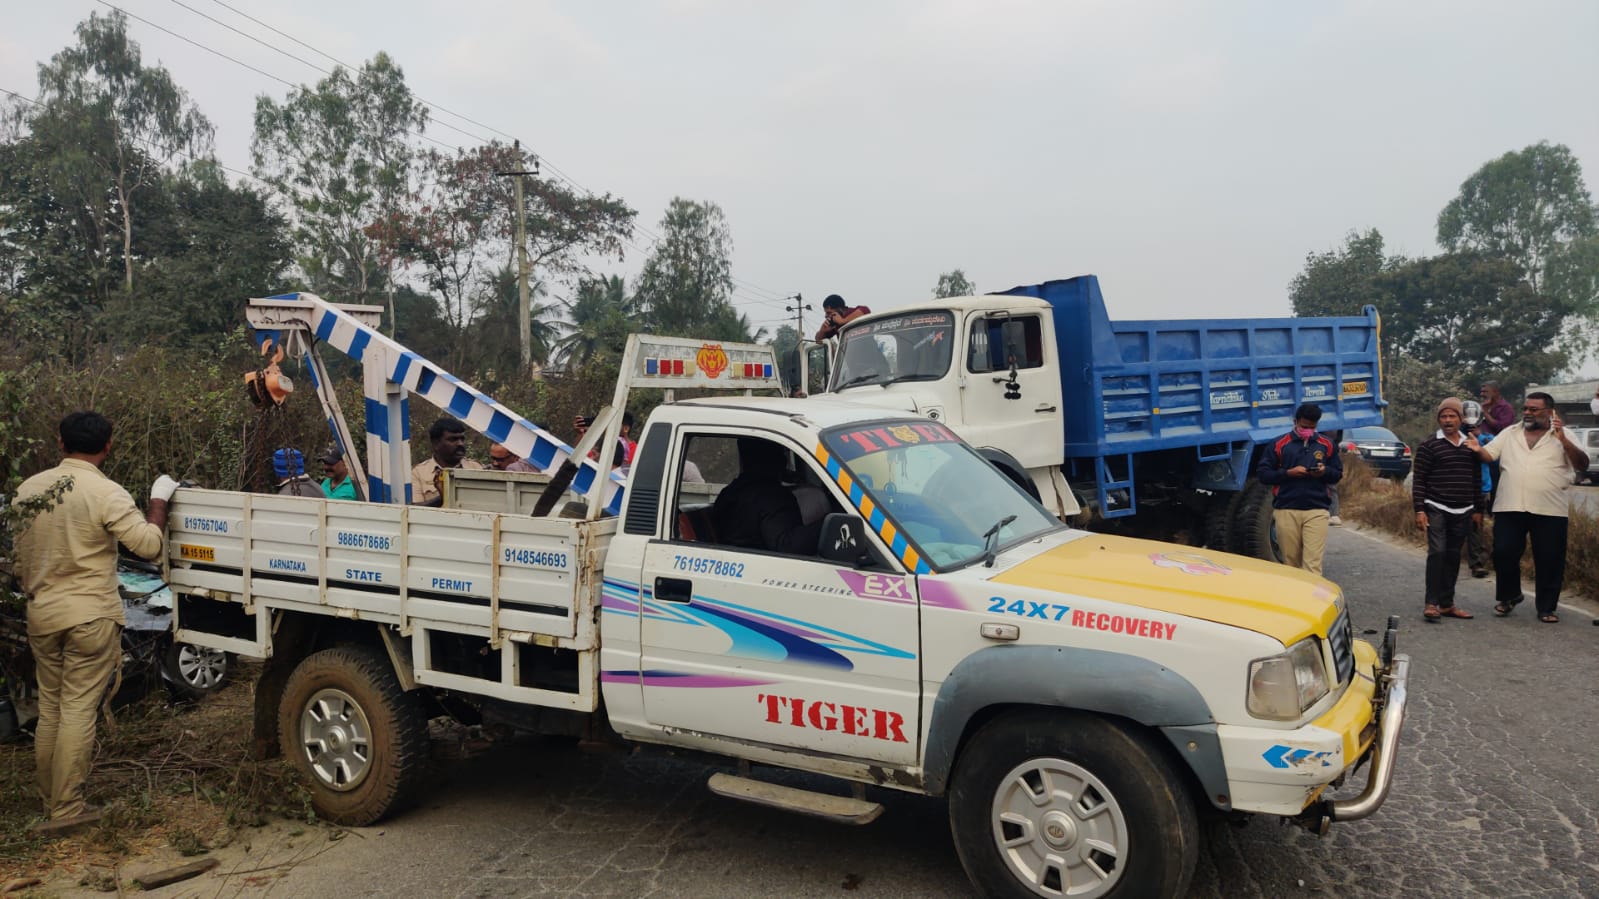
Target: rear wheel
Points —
{"points": [[194, 672], [1049, 803], [1219, 514], [1254, 531], [354, 734]]}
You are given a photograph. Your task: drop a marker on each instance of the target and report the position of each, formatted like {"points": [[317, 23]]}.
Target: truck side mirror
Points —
{"points": [[843, 540]]}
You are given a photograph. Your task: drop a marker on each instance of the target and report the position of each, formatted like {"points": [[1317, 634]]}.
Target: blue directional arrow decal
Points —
{"points": [[1274, 756], [1281, 756]]}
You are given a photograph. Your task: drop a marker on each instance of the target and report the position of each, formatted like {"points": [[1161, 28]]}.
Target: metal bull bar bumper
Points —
{"points": [[1393, 682]]}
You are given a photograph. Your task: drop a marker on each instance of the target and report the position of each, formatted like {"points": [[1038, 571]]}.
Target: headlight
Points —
{"points": [[1283, 687]]}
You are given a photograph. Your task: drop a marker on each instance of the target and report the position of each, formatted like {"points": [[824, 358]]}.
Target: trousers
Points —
{"points": [[1446, 534], [74, 667], [1302, 537], [1548, 535]]}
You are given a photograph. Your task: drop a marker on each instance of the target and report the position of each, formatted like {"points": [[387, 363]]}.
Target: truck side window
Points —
{"points": [[773, 503], [988, 352]]}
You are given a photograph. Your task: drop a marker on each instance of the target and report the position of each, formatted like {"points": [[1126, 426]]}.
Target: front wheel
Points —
{"points": [[1061, 804], [354, 734]]}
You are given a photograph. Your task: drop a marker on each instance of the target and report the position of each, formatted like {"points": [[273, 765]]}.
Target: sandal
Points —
{"points": [[1457, 612], [1432, 614], [1505, 608], [1549, 619]]}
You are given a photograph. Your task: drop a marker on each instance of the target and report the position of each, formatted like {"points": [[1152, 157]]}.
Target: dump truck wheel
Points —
{"points": [[1254, 531]]}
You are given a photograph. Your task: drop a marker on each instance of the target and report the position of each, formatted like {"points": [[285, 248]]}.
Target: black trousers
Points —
{"points": [[1548, 533], [1478, 553], [1446, 534]]}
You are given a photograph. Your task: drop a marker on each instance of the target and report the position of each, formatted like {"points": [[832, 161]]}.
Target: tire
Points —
{"points": [[357, 738], [1254, 532], [1140, 818], [194, 672], [1219, 515]]}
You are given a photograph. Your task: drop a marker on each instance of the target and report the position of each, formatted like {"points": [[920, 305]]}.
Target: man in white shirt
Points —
{"points": [[1536, 464]]}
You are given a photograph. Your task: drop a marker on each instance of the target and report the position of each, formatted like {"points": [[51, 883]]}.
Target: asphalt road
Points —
{"points": [[1497, 795]]}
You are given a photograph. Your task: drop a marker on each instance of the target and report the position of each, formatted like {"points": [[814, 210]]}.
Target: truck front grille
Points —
{"points": [[1340, 639]]}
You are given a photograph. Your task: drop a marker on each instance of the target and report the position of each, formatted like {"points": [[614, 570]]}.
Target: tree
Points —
{"points": [[340, 156], [1528, 205], [495, 338], [114, 126], [687, 280], [786, 338], [1340, 281], [206, 246], [954, 284], [1474, 313], [602, 315]]}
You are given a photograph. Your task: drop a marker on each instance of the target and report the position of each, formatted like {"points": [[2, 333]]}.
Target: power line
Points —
{"points": [[239, 62], [469, 120], [308, 63], [773, 296]]}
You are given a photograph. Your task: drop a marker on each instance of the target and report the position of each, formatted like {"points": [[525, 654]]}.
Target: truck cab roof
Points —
{"points": [[817, 412]]}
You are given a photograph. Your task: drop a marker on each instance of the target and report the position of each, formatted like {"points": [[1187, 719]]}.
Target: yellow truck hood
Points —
{"points": [[1242, 592]]}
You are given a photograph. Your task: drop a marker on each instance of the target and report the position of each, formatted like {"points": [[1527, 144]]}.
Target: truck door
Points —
{"points": [[773, 646], [1027, 422]]}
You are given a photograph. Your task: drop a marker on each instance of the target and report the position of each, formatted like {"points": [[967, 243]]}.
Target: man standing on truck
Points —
{"points": [[448, 435], [67, 565], [1445, 493], [502, 459], [1537, 460], [836, 313], [1299, 467]]}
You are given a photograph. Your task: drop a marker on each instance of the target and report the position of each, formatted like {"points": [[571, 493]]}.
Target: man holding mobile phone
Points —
{"points": [[1302, 465], [1536, 463]]}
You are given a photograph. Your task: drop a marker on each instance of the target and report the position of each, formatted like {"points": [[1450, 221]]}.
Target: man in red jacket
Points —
{"points": [[837, 313]]}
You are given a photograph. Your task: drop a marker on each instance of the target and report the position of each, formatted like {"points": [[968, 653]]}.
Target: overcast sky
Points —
{"points": [[1190, 154]]}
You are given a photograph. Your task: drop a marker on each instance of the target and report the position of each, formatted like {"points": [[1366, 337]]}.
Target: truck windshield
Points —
{"points": [[912, 347], [937, 491]]}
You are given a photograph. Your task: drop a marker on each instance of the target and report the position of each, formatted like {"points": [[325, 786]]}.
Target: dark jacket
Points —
{"points": [[1288, 452], [759, 512], [1448, 475], [1497, 416]]}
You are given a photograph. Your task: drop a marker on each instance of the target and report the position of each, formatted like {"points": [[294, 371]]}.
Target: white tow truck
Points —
{"points": [[1078, 697]]}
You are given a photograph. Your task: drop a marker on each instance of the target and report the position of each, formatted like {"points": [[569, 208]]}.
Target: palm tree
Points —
{"points": [[498, 322], [602, 315]]}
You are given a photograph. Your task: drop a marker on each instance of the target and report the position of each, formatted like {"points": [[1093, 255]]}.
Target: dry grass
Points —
{"points": [[1386, 505], [165, 775]]}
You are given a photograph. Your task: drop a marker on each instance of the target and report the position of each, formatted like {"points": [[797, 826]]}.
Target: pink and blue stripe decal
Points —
{"points": [[656, 677]]}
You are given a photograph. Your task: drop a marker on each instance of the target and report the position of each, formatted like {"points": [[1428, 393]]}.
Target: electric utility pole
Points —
{"points": [[798, 309], [524, 306]]}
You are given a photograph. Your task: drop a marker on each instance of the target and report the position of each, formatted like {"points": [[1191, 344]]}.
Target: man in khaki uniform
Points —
{"points": [[448, 435], [67, 562]]}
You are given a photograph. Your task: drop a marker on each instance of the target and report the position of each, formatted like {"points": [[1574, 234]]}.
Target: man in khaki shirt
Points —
{"points": [[67, 563], [448, 435], [1536, 463]]}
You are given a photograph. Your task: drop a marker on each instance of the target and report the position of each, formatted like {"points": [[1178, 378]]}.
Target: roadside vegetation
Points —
{"points": [[178, 776], [1386, 505]]}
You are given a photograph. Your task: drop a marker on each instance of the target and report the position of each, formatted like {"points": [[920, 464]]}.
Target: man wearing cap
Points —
{"points": [[836, 314], [1446, 495], [337, 484], [288, 464]]}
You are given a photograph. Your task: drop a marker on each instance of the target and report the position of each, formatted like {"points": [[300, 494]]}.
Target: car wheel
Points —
{"points": [[354, 734], [1052, 803], [194, 672]]}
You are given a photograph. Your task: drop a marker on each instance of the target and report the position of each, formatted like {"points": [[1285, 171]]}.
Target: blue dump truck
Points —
{"points": [[1151, 428]]}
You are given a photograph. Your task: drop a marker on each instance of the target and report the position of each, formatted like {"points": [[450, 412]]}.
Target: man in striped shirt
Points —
{"points": [[1446, 480]]}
